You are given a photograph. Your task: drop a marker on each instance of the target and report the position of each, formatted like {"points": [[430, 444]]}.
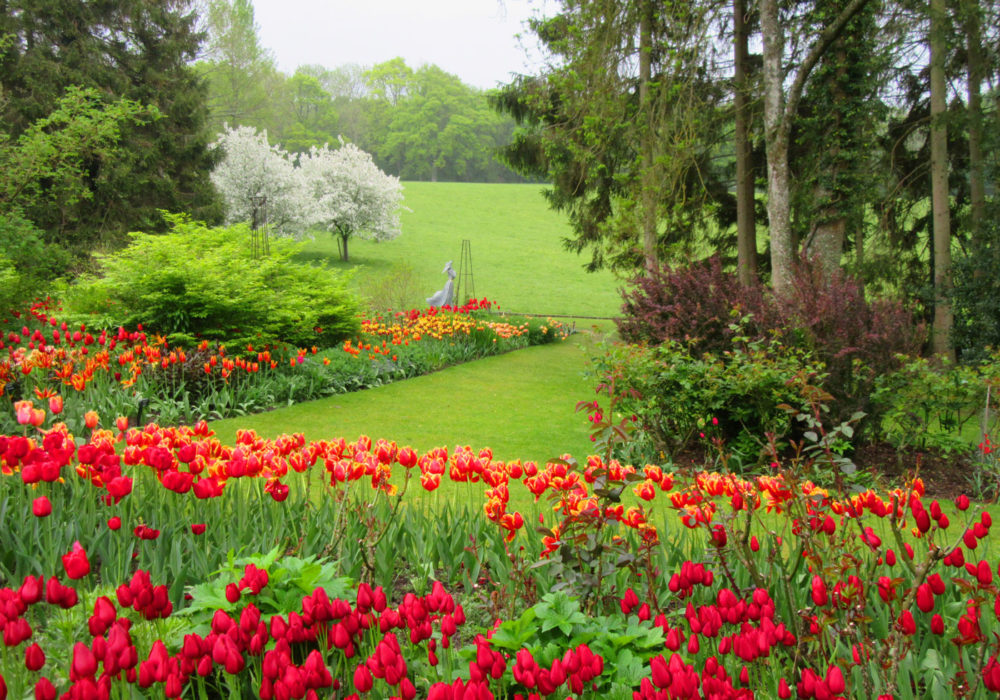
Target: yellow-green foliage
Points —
{"points": [[198, 282]]}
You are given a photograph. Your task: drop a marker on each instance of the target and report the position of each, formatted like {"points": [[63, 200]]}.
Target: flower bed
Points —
{"points": [[140, 375], [286, 568]]}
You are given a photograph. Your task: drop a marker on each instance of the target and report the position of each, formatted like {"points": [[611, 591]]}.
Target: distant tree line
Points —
{"points": [[418, 124]]}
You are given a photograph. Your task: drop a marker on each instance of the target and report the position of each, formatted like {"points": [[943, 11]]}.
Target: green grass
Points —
{"points": [[521, 404], [518, 259]]}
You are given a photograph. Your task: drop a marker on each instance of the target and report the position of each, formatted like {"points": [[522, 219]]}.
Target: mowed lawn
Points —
{"points": [[518, 258], [521, 404]]}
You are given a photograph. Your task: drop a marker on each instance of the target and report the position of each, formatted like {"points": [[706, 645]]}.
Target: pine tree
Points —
{"points": [[135, 49]]}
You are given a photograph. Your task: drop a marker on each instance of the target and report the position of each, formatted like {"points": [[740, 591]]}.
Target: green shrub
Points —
{"points": [[675, 395], [924, 406], [27, 263], [397, 290], [197, 282]]}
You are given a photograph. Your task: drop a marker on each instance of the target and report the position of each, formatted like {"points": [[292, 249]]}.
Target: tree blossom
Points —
{"points": [[352, 196], [251, 167]]}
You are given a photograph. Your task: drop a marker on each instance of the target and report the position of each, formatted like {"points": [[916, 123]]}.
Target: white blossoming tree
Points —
{"points": [[352, 197], [251, 167]]}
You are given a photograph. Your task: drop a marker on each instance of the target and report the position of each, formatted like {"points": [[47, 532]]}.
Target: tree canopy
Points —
{"points": [[121, 49], [838, 127]]}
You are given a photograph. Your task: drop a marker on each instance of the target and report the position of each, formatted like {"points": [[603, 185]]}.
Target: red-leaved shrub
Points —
{"points": [[857, 339], [695, 305]]}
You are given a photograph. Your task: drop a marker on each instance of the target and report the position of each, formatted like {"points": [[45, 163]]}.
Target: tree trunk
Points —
{"points": [[649, 184], [859, 255], [825, 243], [940, 341], [746, 226], [343, 247], [977, 187], [778, 115], [776, 140]]}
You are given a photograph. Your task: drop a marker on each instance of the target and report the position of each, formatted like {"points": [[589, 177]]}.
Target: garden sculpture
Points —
{"points": [[443, 297]]}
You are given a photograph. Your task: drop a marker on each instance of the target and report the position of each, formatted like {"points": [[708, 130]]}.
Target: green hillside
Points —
{"points": [[518, 259]]}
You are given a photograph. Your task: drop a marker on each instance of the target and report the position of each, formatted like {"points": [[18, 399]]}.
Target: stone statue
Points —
{"points": [[443, 296]]}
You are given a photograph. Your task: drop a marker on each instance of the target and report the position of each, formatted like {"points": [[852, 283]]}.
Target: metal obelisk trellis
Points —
{"points": [[465, 289], [258, 227]]}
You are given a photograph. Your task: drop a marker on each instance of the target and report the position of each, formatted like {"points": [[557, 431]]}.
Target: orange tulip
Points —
{"points": [[91, 419], [37, 417]]}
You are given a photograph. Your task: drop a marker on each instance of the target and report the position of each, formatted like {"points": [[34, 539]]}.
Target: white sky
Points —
{"points": [[473, 39]]}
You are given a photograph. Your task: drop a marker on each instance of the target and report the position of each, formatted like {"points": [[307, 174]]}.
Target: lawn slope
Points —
{"points": [[518, 258]]}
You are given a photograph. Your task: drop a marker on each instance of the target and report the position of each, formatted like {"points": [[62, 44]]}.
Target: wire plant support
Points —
{"points": [[465, 287]]}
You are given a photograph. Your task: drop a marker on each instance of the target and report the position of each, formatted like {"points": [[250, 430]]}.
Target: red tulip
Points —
{"points": [[835, 680], [84, 663], [819, 596], [937, 624], [925, 597], [41, 507], [198, 529], [30, 591], [34, 657], [906, 624], [44, 690], [75, 562], [362, 679]]}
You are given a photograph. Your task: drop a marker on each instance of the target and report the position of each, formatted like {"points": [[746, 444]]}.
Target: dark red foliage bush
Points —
{"points": [[857, 339], [695, 305], [829, 316]]}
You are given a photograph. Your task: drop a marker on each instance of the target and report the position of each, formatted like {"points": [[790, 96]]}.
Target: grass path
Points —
{"points": [[521, 404]]}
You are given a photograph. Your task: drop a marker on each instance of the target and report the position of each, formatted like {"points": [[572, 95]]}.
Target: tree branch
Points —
{"points": [[827, 37]]}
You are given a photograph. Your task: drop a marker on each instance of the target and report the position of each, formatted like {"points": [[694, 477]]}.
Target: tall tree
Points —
{"points": [[240, 72], [834, 137], [940, 198], [134, 49], [746, 224], [780, 110], [623, 121], [975, 70]]}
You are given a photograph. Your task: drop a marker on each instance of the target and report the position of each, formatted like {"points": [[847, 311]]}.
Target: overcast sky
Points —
{"points": [[473, 39]]}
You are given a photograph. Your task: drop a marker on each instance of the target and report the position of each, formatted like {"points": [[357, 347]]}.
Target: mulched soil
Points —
{"points": [[945, 476]]}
